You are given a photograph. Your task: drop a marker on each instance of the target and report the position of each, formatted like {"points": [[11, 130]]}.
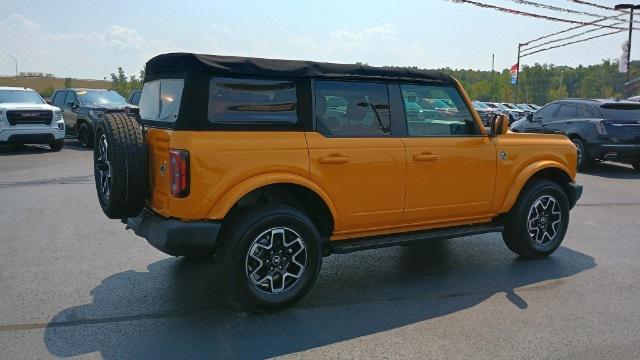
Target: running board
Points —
{"points": [[375, 242]]}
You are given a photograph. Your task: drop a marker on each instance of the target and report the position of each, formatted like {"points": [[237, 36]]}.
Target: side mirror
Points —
{"points": [[499, 125], [70, 104], [530, 117]]}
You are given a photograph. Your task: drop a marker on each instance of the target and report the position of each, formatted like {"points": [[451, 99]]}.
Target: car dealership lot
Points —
{"points": [[74, 283]]}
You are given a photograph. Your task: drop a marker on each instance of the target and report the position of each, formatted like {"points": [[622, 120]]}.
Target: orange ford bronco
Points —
{"points": [[272, 164]]}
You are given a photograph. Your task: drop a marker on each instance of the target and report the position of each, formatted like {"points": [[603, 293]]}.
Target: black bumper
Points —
{"points": [[29, 139], [175, 237], [574, 192], [616, 152]]}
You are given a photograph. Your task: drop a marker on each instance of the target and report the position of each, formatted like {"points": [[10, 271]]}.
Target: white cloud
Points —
{"points": [[92, 54]]}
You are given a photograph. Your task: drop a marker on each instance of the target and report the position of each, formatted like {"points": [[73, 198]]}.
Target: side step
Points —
{"points": [[375, 242]]}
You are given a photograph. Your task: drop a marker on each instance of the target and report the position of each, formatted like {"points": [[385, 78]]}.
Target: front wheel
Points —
{"points": [[538, 221], [56, 145], [85, 135], [583, 157], [270, 256]]}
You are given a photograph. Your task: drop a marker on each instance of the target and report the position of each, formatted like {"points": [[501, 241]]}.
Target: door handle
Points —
{"points": [[425, 157], [333, 159]]}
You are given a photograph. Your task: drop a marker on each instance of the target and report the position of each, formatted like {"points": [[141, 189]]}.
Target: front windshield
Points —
{"points": [[100, 97], [510, 106], [20, 97], [503, 107], [480, 105]]}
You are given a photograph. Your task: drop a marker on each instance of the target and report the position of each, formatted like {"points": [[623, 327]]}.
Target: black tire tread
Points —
{"points": [[128, 158], [234, 229]]}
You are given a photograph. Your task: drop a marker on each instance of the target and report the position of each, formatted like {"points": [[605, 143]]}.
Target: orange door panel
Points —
{"points": [[365, 177], [448, 178]]}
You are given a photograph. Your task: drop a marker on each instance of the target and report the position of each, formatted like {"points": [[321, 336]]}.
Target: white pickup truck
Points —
{"points": [[25, 118]]}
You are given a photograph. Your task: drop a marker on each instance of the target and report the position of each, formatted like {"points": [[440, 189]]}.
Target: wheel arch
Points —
{"points": [[289, 189], [550, 170]]}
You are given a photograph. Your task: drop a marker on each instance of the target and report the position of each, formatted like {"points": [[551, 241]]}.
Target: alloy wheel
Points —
{"points": [[276, 260], [104, 166], [544, 221]]}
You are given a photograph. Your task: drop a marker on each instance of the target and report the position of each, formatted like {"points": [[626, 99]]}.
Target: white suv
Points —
{"points": [[25, 118]]}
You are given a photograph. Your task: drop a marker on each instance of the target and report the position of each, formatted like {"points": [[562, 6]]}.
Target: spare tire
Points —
{"points": [[120, 165]]}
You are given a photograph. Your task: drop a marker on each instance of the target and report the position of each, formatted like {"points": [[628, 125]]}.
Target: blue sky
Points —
{"points": [[90, 39]]}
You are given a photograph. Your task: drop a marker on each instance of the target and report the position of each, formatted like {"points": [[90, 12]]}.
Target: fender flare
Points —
{"points": [[231, 196], [525, 175]]}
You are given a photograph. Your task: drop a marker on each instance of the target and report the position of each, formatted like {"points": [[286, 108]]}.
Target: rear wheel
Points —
{"points": [[270, 256], [56, 145], [120, 165], [85, 135], [538, 221], [583, 157]]}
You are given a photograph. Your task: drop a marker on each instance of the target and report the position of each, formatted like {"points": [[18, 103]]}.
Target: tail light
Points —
{"points": [[179, 171], [600, 127]]}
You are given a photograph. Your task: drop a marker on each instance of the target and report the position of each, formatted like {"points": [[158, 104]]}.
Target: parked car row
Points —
{"points": [[600, 129], [487, 110], [27, 118]]}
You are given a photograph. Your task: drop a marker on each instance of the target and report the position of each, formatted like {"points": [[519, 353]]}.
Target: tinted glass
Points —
{"points": [[625, 114], [160, 100], [70, 98], [20, 96], [566, 111], [585, 112], [448, 116], [100, 97], [135, 99], [252, 101], [546, 112], [349, 108], [58, 99]]}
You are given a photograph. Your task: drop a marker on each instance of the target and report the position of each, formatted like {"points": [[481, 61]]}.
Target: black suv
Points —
{"points": [[83, 107], [600, 129]]}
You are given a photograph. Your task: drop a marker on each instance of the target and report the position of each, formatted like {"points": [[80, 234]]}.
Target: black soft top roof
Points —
{"points": [[179, 64]]}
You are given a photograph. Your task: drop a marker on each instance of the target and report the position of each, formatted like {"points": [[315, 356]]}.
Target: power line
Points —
{"points": [[561, 39], [524, 13], [581, 2], [571, 43], [556, 8], [572, 28]]}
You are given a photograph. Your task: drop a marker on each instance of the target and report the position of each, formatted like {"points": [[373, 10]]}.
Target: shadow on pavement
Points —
{"points": [[28, 149], [612, 171], [178, 308]]}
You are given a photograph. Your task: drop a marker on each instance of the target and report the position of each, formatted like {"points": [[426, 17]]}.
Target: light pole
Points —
{"points": [[16, 62], [631, 7]]}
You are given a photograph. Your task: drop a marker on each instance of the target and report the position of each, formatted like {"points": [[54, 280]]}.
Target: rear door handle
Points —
{"points": [[425, 157], [334, 159]]}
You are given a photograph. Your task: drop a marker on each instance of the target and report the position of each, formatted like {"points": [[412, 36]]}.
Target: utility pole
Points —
{"points": [[493, 83], [515, 101], [16, 62], [630, 7]]}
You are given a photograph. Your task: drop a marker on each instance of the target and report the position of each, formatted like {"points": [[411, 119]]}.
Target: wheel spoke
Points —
{"points": [[544, 220]]}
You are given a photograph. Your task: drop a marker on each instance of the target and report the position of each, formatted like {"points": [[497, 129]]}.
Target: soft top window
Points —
{"points": [[160, 100], [252, 101]]}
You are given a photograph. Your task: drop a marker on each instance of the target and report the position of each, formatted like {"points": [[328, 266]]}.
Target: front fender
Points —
{"points": [[524, 176], [237, 191]]}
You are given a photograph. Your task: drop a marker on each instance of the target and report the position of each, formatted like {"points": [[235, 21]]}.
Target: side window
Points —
{"points": [[252, 101], [433, 110], [58, 98], [566, 111], [546, 113], [71, 98], [349, 108], [585, 112]]}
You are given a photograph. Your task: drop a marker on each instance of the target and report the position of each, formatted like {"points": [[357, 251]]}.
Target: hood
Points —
{"points": [[107, 107], [23, 106]]}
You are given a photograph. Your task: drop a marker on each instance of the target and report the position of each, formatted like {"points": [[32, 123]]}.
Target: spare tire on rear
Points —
{"points": [[120, 165]]}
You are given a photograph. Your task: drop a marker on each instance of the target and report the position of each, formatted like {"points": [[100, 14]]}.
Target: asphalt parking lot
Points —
{"points": [[73, 283]]}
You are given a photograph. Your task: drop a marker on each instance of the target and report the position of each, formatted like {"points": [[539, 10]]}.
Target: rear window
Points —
{"points": [[621, 113], [160, 100], [252, 101], [100, 97]]}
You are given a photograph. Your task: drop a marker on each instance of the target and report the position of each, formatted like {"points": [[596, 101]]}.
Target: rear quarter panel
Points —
{"points": [[526, 154], [221, 160]]}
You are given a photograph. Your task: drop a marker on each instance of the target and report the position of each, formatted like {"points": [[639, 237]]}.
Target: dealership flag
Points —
{"points": [[514, 73]]}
